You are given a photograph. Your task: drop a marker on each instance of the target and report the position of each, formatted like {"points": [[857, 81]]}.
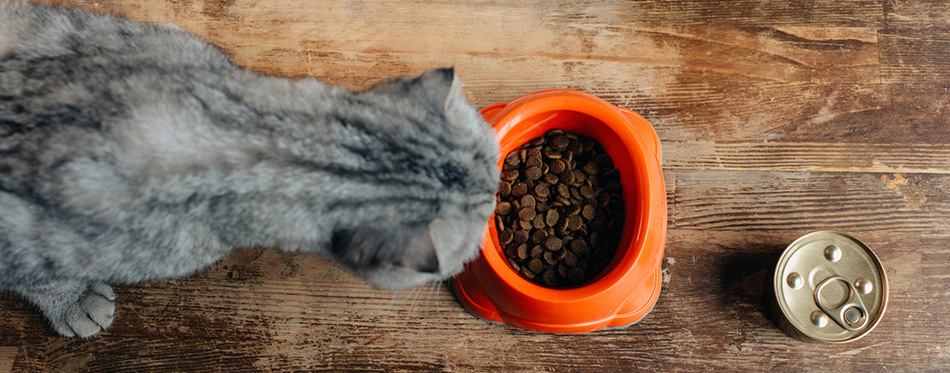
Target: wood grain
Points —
{"points": [[776, 118]]}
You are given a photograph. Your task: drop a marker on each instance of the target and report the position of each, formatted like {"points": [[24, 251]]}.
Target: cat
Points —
{"points": [[132, 152]]}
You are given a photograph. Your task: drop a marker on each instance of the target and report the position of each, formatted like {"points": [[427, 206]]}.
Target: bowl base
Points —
{"points": [[632, 311]]}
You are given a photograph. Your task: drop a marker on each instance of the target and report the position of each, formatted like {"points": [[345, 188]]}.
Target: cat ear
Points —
{"points": [[434, 86], [440, 84]]}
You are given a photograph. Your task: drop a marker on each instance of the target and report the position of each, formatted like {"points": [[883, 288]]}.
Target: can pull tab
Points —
{"points": [[851, 315]]}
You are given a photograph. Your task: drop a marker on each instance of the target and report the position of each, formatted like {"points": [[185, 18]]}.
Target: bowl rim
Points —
{"points": [[509, 117]]}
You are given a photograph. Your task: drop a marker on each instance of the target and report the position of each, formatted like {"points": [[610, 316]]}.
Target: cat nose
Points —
{"points": [[429, 264]]}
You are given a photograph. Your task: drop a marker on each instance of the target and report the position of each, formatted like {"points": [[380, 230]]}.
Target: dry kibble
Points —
{"points": [[527, 201], [552, 217], [549, 278], [573, 210], [525, 224], [567, 177], [505, 237], [580, 177], [533, 161], [574, 223], [579, 247], [513, 159], [538, 236], [527, 273], [588, 212], [603, 200], [570, 259], [563, 191], [560, 142], [504, 189], [552, 243], [534, 173], [536, 252], [586, 191], [613, 184], [527, 213], [519, 189], [557, 166], [521, 236], [542, 191], [522, 251], [534, 152], [561, 199], [503, 208], [591, 168], [538, 222]]}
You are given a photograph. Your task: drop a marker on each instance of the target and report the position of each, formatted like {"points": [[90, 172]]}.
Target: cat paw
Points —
{"points": [[87, 312]]}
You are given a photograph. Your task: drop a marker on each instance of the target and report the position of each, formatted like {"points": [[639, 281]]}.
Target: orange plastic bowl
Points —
{"points": [[630, 285]]}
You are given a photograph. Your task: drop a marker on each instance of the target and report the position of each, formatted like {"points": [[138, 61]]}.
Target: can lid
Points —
{"points": [[830, 286]]}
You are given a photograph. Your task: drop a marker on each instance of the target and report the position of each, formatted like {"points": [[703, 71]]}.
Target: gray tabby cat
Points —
{"points": [[131, 152]]}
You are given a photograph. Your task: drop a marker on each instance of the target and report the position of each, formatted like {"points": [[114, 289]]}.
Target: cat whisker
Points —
{"points": [[392, 301], [429, 298]]}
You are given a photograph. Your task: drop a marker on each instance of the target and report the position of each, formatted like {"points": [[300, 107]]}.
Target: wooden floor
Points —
{"points": [[776, 118]]}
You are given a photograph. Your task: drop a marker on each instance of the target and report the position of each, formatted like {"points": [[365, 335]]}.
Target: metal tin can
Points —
{"points": [[828, 287]]}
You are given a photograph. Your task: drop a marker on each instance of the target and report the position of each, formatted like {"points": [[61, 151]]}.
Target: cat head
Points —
{"points": [[430, 210]]}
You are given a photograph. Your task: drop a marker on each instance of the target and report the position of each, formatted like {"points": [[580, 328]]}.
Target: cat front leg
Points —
{"points": [[74, 308]]}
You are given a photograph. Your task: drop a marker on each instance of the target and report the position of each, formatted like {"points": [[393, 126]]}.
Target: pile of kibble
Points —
{"points": [[560, 209]]}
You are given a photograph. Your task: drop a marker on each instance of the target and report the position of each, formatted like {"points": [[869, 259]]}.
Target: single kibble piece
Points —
{"points": [[549, 278], [533, 161], [503, 208], [521, 236], [522, 251], [505, 237], [527, 213], [528, 201], [504, 189], [557, 166], [533, 173], [538, 222], [586, 191], [542, 191], [513, 159], [588, 212], [535, 265], [552, 243], [574, 223]]}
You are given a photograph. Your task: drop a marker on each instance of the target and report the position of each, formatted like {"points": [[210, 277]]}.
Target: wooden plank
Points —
{"points": [[777, 201], [807, 157], [709, 315]]}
